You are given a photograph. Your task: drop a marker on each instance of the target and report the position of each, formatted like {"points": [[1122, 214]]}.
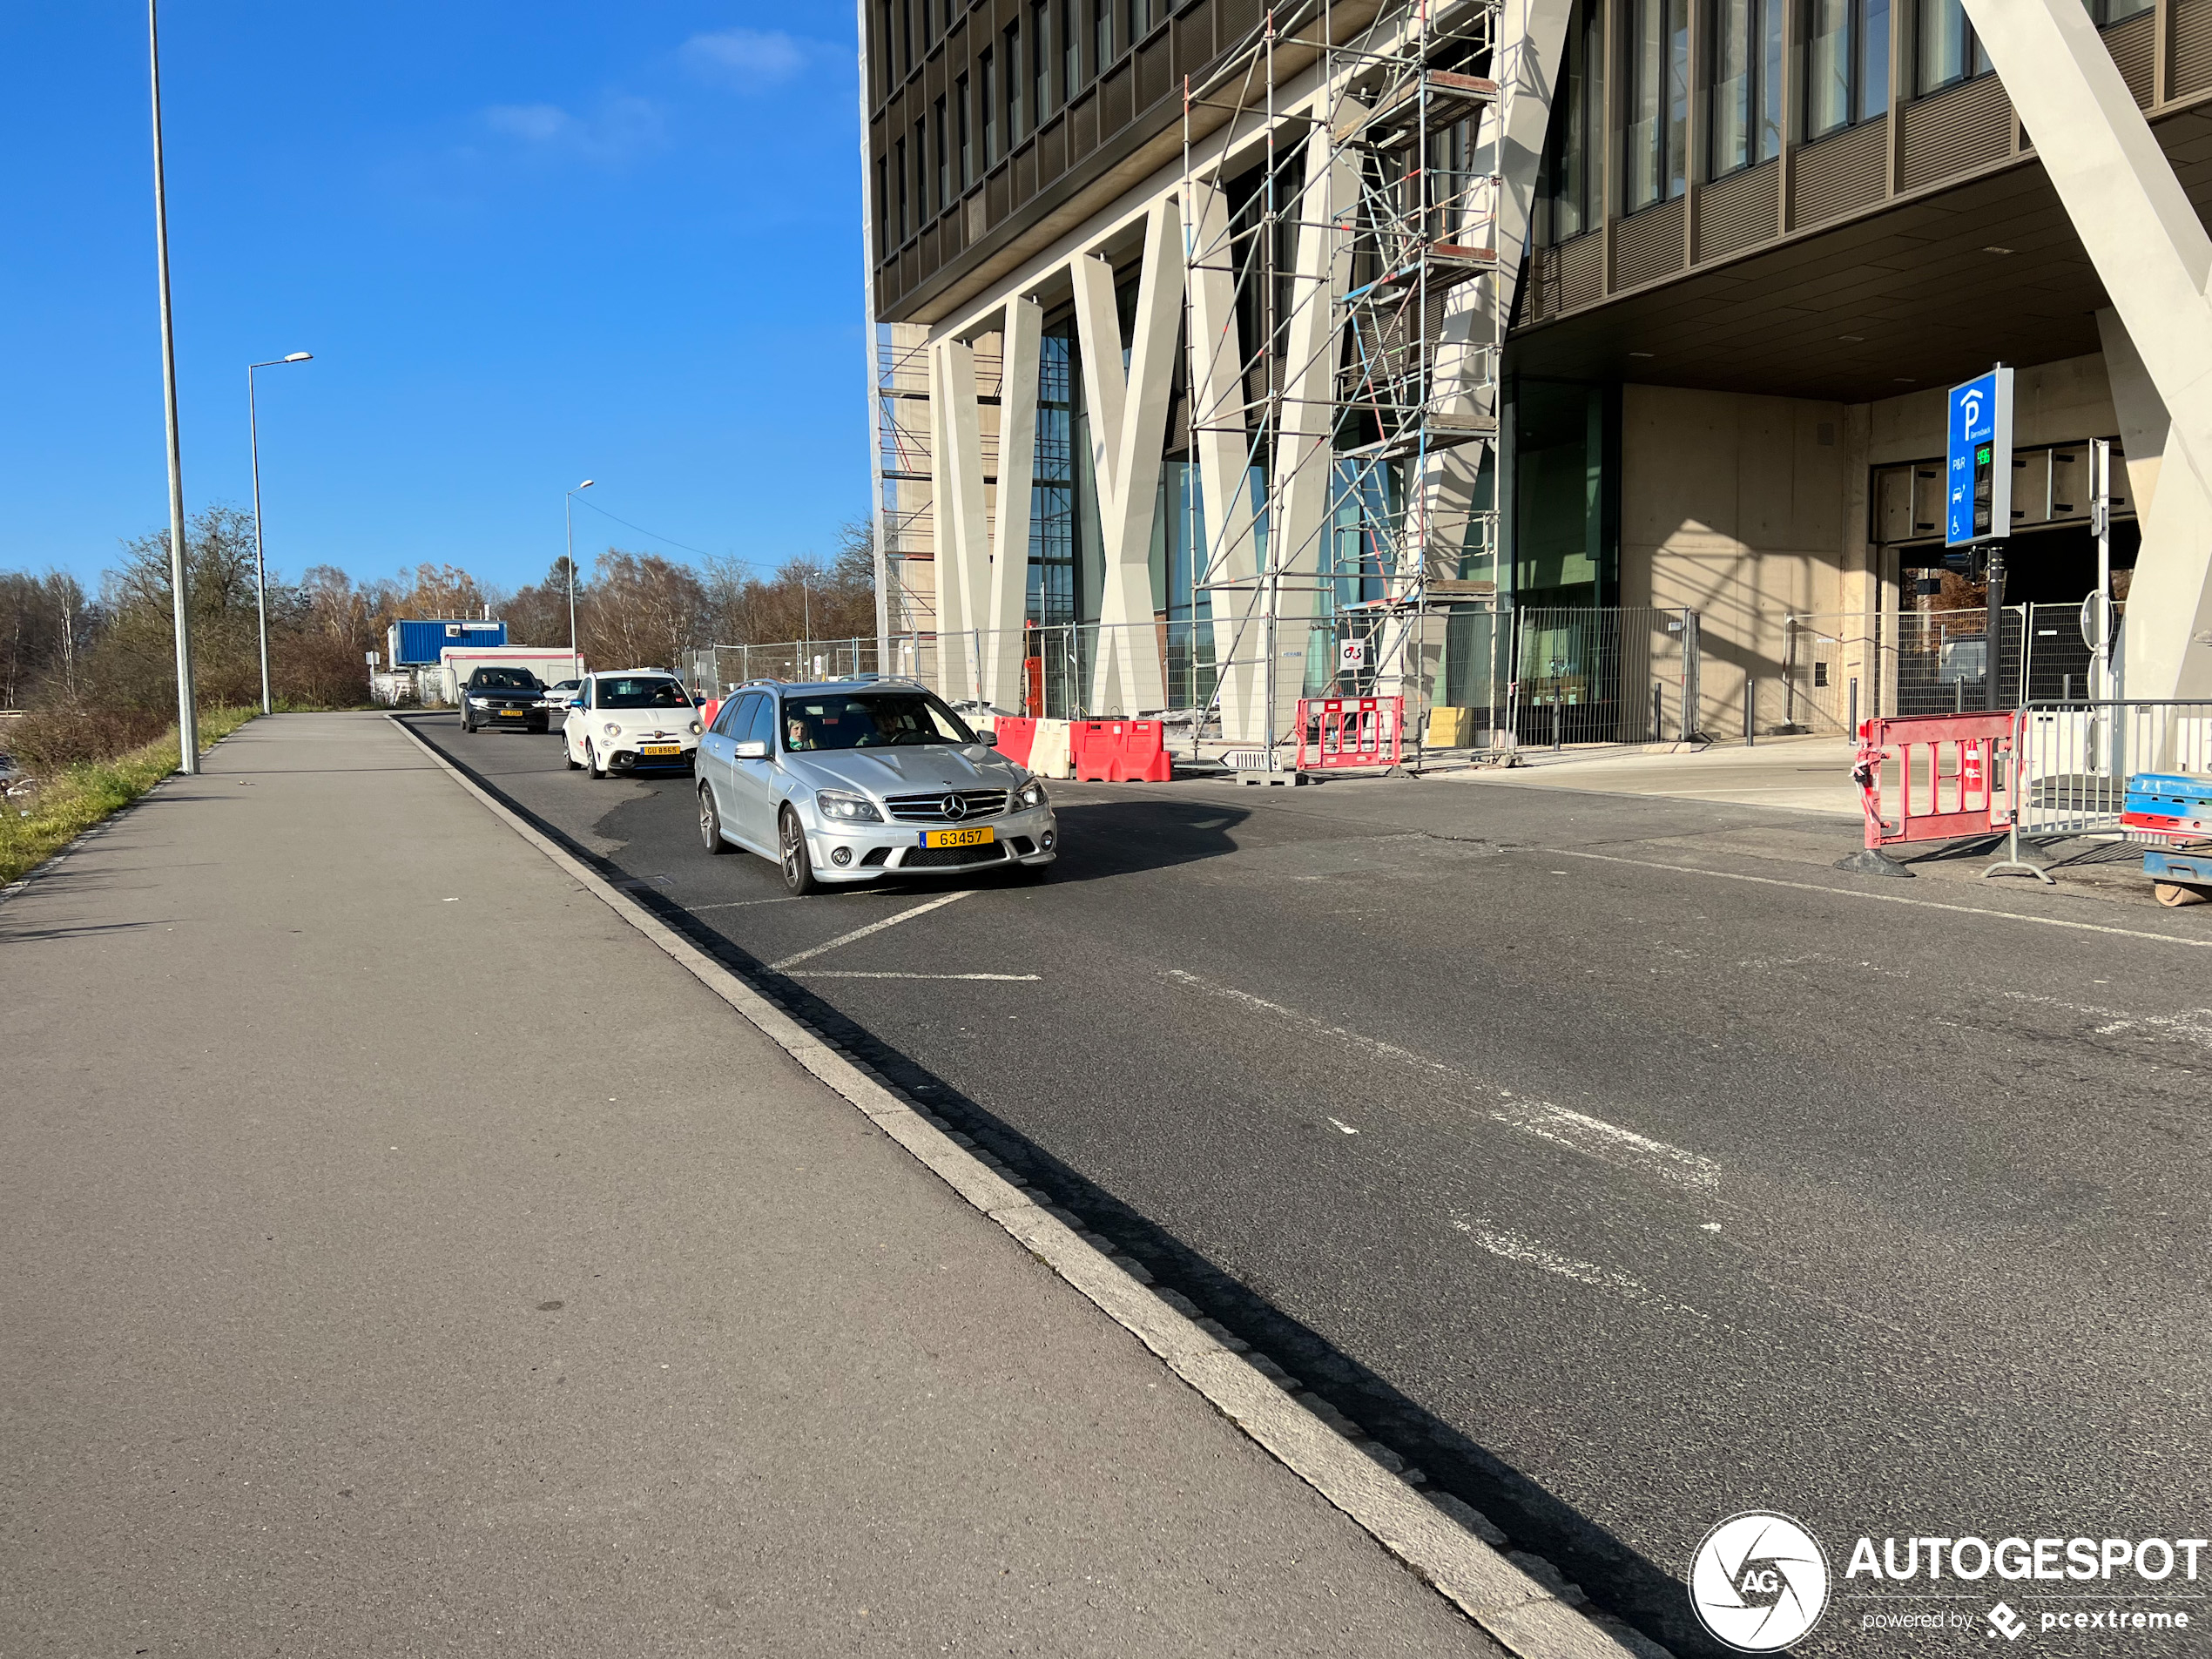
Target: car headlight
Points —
{"points": [[611, 729], [475, 701], [1032, 794], [841, 805], [695, 728]]}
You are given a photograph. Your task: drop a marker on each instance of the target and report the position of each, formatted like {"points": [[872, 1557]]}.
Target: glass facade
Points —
{"points": [[1743, 104], [1563, 515], [1569, 197], [1656, 145], [1950, 51], [1847, 63]]}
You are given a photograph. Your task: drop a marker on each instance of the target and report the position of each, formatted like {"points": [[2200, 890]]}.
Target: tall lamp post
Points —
{"points": [[260, 569], [567, 511], [187, 704]]}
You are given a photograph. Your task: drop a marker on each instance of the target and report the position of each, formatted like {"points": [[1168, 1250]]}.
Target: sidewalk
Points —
{"points": [[406, 1256], [1803, 775]]}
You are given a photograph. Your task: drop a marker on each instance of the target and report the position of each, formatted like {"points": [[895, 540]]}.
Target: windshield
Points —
{"points": [[869, 720], [640, 692], [507, 679]]}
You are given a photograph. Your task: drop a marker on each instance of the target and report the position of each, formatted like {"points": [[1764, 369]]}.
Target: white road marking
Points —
{"points": [[831, 972], [1879, 898], [872, 928], [1514, 1247], [1345, 1126], [2193, 1026], [741, 904], [1578, 1131]]}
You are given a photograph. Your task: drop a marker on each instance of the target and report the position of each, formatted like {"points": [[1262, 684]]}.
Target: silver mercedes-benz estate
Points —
{"points": [[853, 780]]}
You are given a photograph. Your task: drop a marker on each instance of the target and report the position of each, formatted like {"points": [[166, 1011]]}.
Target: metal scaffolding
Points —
{"points": [[1360, 246]]}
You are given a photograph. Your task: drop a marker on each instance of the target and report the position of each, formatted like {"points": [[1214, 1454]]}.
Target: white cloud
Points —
{"points": [[622, 128], [744, 59]]}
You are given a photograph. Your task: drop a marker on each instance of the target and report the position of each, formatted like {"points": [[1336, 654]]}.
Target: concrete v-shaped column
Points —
{"points": [[1128, 417], [1532, 41], [1220, 434], [1005, 601], [957, 463], [2153, 257], [1305, 447]]}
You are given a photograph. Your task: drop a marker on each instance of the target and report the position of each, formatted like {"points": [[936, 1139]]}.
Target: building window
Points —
{"points": [[988, 82], [2108, 12], [1745, 107], [1071, 68], [887, 59], [1039, 61], [1102, 28], [1140, 19], [1655, 144], [882, 211], [928, 24], [944, 162], [1567, 192], [1950, 52], [922, 175], [906, 32], [899, 155], [1847, 63], [967, 135], [1014, 127]]}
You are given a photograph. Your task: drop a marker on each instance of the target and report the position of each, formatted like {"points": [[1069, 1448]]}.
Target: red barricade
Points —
{"points": [[1951, 780], [1349, 731], [1016, 735], [708, 710], [1119, 752]]}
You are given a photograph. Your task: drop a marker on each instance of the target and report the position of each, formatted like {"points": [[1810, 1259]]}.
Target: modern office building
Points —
{"points": [[1412, 347]]}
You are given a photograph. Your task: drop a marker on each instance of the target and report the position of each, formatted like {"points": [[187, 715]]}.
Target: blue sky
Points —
{"points": [[528, 244]]}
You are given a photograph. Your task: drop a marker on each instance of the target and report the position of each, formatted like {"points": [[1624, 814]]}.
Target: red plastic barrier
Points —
{"points": [[1016, 735], [1119, 752], [1950, 782], [708, 710], [1349, 731]]}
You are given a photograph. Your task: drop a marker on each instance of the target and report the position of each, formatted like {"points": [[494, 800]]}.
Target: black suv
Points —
{"points": [[505, 699]]}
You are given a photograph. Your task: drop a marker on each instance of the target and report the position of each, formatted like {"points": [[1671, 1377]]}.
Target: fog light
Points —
{"points": [[1045, 840], [840, 856]]}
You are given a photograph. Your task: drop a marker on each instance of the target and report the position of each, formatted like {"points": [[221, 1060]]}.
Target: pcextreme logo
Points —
{"points": [[1759, 1581]]}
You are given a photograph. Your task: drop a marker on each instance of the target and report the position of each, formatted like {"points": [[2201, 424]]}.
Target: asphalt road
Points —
{"points": [[1618, 1192]]}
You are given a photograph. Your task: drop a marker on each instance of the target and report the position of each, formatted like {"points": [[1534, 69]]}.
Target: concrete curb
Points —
{"points": [[1515, 1608]]}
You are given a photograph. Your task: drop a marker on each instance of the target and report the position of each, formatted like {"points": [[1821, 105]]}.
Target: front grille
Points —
{"points": [[947, 858], [873, 857], [930, 808]]}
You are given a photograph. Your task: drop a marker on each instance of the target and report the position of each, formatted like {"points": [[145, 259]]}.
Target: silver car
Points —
{"points": [[854, 780]]}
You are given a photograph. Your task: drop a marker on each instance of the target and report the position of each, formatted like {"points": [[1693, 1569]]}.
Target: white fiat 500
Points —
{"points": [[634, 719], [853, 780]]}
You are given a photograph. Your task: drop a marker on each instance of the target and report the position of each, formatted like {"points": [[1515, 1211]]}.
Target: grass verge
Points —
{"points": [[80, 796]]}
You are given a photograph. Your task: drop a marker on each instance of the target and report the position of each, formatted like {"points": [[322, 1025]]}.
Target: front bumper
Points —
{"points": [[626, 753], [508, 719], [875, 850]]}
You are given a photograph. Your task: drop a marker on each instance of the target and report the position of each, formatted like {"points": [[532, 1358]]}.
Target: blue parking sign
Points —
{"points": [[1978, 471]]}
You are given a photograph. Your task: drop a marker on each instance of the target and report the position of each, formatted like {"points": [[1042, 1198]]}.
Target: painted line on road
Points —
{"points": [[1578, 1131], [1516, 1247], [1005, 979], [872, 928], [1437, 1539], [744, 904], [1855, 892]]}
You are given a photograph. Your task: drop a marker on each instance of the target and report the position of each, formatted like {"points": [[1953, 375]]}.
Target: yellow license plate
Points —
{"points": [[511, 714], [982, 837], [662, 749]]}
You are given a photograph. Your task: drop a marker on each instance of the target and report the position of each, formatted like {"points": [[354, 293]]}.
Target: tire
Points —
{"points": [[567, 755], [467, 729], [591, 761], [798, 863], [711, 821], [2175, 894]]}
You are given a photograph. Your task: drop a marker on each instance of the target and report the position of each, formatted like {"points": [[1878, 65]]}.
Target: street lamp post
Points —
{"points": [[187, 704], [260, 569], [568, 512]]}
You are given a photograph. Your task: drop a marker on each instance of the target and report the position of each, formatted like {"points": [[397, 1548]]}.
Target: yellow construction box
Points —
{"points": [[1451, 728]]}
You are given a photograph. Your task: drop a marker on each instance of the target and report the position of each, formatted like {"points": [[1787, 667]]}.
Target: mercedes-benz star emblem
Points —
{"points": [[955, 806]]}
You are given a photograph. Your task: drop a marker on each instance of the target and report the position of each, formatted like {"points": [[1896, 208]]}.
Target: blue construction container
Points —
{"points": [[416, 644]]}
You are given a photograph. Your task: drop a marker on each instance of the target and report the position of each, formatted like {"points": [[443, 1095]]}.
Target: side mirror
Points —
{"points": [[989, 739], [575, 702], [752, 749]]}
